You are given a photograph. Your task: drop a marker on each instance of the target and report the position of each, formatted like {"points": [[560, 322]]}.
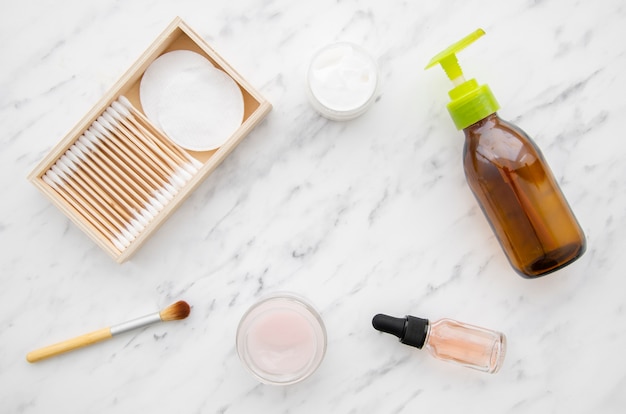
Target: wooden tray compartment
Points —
{"points": [[178, 36]]}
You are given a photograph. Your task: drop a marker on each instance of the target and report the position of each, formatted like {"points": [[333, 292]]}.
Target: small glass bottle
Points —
{"points": [[510, 179], [448, 340]]}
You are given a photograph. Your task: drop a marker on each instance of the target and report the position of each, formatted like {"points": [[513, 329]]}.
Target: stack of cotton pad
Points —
{"points": [[195, 104]]}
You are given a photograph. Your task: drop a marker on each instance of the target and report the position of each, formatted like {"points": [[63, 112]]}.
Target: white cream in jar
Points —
{"points": [[342, 80]]}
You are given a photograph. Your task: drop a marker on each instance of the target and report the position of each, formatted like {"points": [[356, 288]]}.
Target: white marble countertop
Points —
{"points": [[367, 216]]}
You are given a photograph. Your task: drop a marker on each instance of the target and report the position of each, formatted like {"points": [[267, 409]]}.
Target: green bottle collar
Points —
{"points": [[470, 102]]}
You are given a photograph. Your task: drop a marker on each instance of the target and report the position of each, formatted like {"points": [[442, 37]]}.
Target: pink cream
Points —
{"points": [[281, 339]]}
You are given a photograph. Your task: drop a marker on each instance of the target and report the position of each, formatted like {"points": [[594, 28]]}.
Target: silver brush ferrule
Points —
{"points": [[135, 324]]}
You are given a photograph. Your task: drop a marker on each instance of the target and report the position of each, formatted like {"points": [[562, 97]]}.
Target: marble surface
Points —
{"points": [[367, 216]]}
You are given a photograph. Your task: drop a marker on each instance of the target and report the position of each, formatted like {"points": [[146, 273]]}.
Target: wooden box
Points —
{"points": [[108, 207]]}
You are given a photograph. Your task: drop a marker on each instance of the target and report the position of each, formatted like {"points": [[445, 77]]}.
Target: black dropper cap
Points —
{"points": [[411, 330]]}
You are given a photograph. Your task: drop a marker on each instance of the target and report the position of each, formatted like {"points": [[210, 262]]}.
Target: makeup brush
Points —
{"points": [[176, 311]]}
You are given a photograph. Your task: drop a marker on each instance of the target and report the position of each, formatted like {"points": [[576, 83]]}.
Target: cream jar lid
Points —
{"points": [[342, 79]]}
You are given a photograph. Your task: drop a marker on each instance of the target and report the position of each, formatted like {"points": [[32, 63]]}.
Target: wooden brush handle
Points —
{"points": [[69, 345]]}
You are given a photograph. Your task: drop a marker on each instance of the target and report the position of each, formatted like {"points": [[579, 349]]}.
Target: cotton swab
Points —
{"points": [[126, 103], [74, 199], [76, 154], [123, 115], [90, 220], [81, 195], [109, 172], [144, 163], [127, 172], [136, 166], [120, 173], [169, 191], [74, 173], [140, 148]]}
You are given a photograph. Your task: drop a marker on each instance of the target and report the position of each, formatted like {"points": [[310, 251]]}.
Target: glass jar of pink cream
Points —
{"points": [[281, 339]]}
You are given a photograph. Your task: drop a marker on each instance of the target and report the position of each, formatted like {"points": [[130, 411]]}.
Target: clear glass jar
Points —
{"points": [[281, 339]]}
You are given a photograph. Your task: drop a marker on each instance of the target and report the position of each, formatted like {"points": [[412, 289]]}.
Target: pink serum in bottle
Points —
{"points": [[448, 340]]}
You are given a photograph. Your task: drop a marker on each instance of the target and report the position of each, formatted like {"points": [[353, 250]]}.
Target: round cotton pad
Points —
{"points": [[213, 109], [160, 72], [197, 105]]}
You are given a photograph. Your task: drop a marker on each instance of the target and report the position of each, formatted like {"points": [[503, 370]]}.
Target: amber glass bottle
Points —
{"points": [[509, 177], [520, 198]]}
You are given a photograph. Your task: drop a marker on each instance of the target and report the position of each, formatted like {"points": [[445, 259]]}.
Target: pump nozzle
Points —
{"points": [[448, 60], [470, 102]]}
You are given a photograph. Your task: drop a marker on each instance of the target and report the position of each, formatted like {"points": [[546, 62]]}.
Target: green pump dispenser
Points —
{"points": [[470, 102]]}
